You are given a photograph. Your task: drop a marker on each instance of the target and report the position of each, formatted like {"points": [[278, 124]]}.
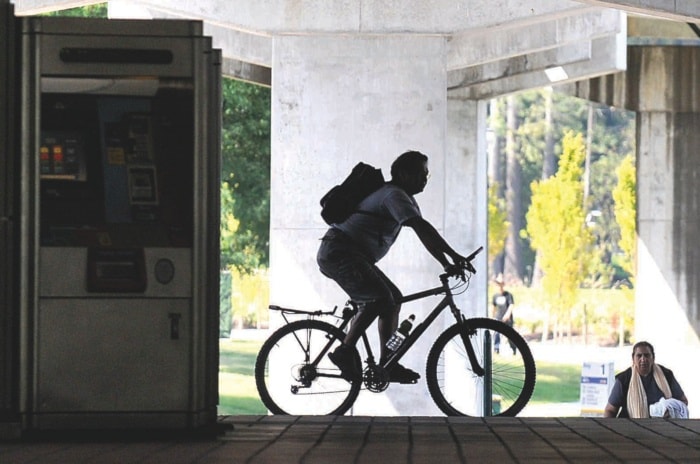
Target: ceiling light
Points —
{"points": [[556, 74]]}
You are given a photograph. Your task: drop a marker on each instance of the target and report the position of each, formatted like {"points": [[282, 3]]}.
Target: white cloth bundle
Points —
{"points": [[676, 409]]}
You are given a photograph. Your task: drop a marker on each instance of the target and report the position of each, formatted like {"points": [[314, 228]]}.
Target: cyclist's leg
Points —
{"points": [[364, 282], [356, 275]]}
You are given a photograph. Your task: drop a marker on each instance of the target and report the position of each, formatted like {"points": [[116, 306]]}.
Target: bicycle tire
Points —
{"points": [[458, 391], [283, 360]]}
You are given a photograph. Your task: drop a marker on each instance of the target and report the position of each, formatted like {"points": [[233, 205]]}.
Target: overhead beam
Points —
{"points": [[483, 46], [236, 46], [509, 67], [678, 10], [436, 17], [608, 56], [247, 72], [251, 48]]}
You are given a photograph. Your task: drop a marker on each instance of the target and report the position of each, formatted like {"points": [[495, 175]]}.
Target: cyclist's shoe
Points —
{"points": [[344, 358], [401, 374]]}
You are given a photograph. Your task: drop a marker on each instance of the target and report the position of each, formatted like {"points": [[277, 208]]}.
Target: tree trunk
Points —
{"points": [[496, 171], [545, 326], [587, 165], [513, 263]]}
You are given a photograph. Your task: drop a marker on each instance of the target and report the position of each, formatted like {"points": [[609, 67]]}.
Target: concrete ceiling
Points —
{"points": [[494, 46]]}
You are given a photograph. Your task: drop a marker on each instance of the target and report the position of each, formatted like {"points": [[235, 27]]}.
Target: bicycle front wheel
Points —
{"points": [[458, 391], [294, 375]]}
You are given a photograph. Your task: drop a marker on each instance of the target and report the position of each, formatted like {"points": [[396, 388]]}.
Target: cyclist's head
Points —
{"points": [[410, 171]]}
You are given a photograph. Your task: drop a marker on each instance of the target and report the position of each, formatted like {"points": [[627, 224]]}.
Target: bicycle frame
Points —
{"points": [[447, 301]]}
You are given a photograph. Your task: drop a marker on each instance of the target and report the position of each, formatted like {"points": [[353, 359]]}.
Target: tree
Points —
{"points": [[98, 10], [625, 196], [515, 207], [497, 223], [237, 246], [557, 229], [543, 117], [245, 190]]}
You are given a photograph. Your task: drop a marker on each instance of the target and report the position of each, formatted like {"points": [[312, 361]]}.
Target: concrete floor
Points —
{"points": [[337, 440]]}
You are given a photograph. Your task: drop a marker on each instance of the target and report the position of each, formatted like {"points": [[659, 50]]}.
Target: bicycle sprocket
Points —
{"points": [[376, 378]]}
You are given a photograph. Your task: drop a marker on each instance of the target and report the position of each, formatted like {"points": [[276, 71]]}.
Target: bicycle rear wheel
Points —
{"points": [[458, 391], [294, 375]]}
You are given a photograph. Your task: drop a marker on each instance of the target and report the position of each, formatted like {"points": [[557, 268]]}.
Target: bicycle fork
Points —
{"points": [[465, 333]]}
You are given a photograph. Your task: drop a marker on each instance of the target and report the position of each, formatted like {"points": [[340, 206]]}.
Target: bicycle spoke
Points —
{"points": [[292, 365], [458, 390]]}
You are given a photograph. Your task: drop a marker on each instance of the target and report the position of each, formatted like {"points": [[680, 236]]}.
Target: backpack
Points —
{"points": [[342, 200]]}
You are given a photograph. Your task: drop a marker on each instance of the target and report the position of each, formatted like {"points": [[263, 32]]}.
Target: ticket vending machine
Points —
{"points": [[120, 181]]}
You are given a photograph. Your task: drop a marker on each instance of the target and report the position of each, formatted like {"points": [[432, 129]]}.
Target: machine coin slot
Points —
{"points": [[174, 325], [116, 270]]}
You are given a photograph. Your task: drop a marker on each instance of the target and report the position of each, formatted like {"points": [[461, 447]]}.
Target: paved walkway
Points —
{"points": [[386, 440]]}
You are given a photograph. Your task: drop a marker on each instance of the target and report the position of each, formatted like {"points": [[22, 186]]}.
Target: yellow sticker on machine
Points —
{"points": [[115, 155]]}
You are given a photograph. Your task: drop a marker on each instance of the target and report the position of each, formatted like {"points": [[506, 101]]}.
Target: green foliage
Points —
{"points": [[238, 247], [625, 196], [245, 192], [498, 224], [243, 300], [612, 139], [98, 10], [598, 318], [557, 230]]}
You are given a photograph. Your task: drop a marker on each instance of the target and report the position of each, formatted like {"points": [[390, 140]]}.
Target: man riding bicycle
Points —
{"points": [[350, 250]]}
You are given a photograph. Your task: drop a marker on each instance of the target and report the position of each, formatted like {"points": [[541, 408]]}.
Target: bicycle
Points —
{"points": [[294, 375]]}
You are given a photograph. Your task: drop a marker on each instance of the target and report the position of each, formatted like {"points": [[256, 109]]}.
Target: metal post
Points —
{"points": [[488, 394]]}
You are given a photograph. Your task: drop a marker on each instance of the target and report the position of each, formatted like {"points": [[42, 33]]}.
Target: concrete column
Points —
{"points": [[340, 100], [661, 85], [668, 207], [466, 215]]}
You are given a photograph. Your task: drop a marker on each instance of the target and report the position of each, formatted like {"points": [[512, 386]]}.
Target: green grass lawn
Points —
{"points": [[556, 383], [237, 392]]}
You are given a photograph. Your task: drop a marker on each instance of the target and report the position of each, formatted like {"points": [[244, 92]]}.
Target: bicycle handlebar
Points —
{"points": [[459, 269]]}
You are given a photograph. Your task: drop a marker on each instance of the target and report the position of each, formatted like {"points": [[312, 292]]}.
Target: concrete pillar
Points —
{"points": [[661, 85], [668, 206], [340, 100], [466, 215]]}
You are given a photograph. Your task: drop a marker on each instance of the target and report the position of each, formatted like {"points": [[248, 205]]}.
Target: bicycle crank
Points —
{"points": [[376, 379]]}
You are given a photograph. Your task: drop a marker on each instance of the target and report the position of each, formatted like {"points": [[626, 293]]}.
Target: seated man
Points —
{"points": [[643, 384], [350, 250]]}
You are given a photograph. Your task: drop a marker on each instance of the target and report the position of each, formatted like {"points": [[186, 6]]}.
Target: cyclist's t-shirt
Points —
{"points": [[379, 224]]}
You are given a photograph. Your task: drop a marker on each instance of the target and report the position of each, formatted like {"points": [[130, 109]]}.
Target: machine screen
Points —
{"points": [[116, 170]]}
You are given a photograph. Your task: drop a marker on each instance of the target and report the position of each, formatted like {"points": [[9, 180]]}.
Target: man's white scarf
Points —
{"points": [[636, 396]]}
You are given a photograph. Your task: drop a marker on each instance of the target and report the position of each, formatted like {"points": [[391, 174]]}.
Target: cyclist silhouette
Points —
{"points": [[350, 250]]}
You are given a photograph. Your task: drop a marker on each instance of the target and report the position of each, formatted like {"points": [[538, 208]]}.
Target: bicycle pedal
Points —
{"points": [[405, 382]]}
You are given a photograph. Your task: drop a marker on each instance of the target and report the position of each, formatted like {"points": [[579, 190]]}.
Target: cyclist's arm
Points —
{"points": [[433, 241]]}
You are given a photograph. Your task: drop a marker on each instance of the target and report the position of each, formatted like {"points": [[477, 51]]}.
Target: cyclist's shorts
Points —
{"points": [[341, 260]]}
